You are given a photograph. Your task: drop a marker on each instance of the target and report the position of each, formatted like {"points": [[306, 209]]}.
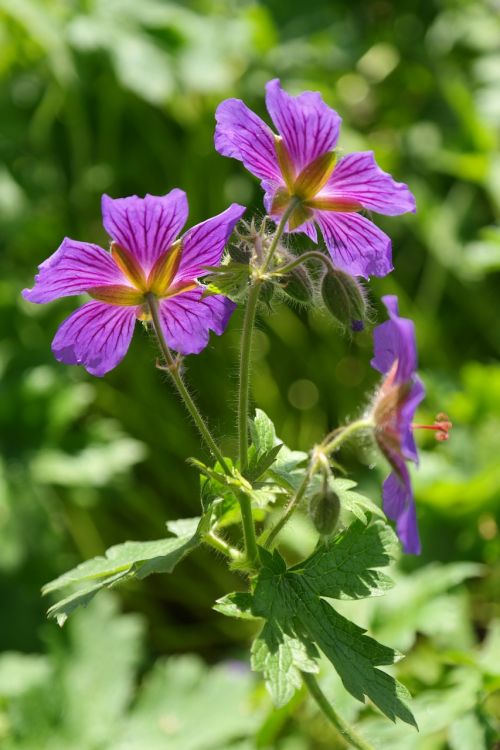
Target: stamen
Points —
{"points": [[441, 426]]}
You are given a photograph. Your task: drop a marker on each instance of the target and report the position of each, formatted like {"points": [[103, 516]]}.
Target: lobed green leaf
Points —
{"points": [[125, 561]]}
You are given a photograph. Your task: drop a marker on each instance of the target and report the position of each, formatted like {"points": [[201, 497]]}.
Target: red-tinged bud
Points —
{"points": [[344, 298]]}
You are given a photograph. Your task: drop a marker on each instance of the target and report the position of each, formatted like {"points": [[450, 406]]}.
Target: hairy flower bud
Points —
{"points": [[297, 285], [324, 510], [344, 298]]}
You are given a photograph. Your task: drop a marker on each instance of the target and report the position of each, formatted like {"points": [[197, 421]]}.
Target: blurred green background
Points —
{"points": [[118, 96]]}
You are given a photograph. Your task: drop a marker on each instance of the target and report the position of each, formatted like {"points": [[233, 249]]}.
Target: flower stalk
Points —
{"points": [[173, 370], [350, 737]]}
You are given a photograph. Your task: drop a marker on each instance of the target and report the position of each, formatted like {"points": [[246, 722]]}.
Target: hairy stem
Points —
{"points": [[244, 387], [246, 341], [245, 361], [348, 734], [291, 506], [279, 231], [251, 548], [214, 541], [309, 255], [172, 367], [342, 434]]}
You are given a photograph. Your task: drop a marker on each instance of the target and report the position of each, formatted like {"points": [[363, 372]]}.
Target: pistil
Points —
{"points": [[441, 427]]}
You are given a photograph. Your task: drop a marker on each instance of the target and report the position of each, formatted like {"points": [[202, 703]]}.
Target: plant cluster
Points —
{"points": [[182, 287]]}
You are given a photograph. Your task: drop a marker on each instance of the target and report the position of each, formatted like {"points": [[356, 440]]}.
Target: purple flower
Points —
{"points": [[393, 410], [145, 257], [300, 162]]}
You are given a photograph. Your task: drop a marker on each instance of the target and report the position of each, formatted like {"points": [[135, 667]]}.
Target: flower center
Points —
{"points": [[305, 186], [441, 426], [159, 281]]}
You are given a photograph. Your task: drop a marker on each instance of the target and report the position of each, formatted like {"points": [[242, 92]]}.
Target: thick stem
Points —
{"points": [[347, 733], [247, 337], [251, 548], [245, 362], [173, 370]]}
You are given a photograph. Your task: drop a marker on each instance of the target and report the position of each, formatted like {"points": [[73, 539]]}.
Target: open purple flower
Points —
{"points": [[145, 258], [299, 163], [393, 410]]}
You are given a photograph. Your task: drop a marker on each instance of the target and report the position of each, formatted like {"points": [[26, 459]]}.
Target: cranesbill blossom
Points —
{"points": [[145, 258], [393, 410], [300, 163]]}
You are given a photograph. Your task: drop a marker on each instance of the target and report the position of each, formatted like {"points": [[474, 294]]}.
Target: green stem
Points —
{"points": [[347, 733], [292, 505], [173, 370], [246, 341], [344, 433], [310, 255], [214, 541], [251, 548], [322, 450], [279, 231], [245, 361]]}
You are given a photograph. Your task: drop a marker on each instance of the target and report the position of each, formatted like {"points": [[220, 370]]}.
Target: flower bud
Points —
{"points": [[297, 285], [324, 510], [344, 298]]}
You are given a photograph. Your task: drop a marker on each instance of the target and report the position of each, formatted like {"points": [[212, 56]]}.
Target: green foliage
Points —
{"points": [[83, 694], [298, 620], [86, 109], [124, 562]]}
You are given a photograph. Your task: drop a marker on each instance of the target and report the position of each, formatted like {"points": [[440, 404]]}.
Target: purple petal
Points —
{"points": [[309, 127], [400, 507], [407, 414], [203, 244], [308, 229], [97, 336], [356, 245], [145, 226], [187, 319], [242, 135], [72, 269], [358, 177], [395, 340]]}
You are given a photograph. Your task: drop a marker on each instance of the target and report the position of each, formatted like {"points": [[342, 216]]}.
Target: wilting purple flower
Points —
{"points": [[300, 162], [145, 257], [393, 410]]}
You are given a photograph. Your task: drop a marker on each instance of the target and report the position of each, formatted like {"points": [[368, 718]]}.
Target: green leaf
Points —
{"points": [[237, 605], [259, 464], [281, 657], [468, 732], [290, 601], [262, 432], [345, 567], [354, 502], [123, 562], [231, 280]]}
